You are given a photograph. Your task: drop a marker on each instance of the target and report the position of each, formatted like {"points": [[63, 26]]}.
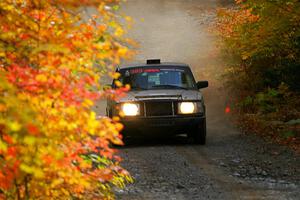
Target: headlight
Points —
{"points": [[130, 109], [189, 107]]}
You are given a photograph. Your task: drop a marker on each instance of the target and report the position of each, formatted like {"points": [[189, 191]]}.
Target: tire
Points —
{"points": [[199, 133]]}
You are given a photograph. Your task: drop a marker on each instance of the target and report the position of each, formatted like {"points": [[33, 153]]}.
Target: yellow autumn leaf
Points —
{"points": [[118, 84], [22, 96], [56, 182], [119, 32], [122, 51], [3, 146], [38, 173], [14, 126], [127, 86], [87, 103], [29, 140], [41, 78], [26, 168], [116, 75], [119, 126], [116, 118]]}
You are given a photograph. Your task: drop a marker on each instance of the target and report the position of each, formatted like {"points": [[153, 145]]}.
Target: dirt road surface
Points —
{"points": [[232, 165]]}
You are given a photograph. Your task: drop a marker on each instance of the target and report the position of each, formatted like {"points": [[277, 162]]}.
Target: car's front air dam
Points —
{"points": [[160, 125]]}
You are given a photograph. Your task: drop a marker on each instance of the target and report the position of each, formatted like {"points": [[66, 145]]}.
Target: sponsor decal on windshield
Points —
{"points": [[152, 70], [173, 70], [143, 70]]}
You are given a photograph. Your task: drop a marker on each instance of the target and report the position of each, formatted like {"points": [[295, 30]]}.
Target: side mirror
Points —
{"points": [[107, 87], [202, 84]]}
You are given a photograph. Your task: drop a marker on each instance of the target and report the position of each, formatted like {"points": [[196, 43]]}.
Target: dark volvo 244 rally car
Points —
{"points": [[164, 99]]}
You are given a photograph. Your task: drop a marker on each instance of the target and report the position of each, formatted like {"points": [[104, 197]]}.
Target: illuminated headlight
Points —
{"points": [[189, 107], [130, 109]]}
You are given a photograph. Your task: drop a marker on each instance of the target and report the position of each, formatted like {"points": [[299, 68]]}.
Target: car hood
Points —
{"points": [[156, 94]]}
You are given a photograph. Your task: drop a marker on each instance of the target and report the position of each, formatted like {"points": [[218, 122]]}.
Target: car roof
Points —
{"points": [[162, 64]]}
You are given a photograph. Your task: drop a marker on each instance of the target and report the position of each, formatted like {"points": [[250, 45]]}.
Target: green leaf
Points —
{"points": [[116, 7], [293, 122], [288, 134]]}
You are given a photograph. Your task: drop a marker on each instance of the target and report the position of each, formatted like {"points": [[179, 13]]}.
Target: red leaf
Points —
{"points": [[32, 129], [24, 36], [227, 109], [12, 151], [7, 138]]}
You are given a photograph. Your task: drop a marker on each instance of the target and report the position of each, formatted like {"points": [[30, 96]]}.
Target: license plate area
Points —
{"points": [[161, 123], [157, 108]]}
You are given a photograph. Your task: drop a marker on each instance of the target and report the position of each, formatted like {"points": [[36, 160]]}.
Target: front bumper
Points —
{"points": [[170, 125]]}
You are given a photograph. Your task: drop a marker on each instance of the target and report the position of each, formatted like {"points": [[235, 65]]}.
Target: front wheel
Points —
{"points": [[199, 133]]}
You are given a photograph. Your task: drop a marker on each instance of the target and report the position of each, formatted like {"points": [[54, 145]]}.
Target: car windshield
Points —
{"points": [[158, 78]]}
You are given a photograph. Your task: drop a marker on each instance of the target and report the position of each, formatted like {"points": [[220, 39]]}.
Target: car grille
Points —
{"points": [[159, 108]]}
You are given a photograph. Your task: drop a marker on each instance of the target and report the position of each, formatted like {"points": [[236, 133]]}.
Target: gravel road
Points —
{"points": [[232, 165]]}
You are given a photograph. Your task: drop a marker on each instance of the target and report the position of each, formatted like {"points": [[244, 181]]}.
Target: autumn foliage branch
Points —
{"points": [[52, 56], [260, 44]]}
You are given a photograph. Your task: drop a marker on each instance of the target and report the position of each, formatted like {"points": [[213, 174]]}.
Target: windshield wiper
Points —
{"points": [[169, 86]]}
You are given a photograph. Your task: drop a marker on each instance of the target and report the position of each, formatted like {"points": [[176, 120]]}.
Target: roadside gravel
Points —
{"points": [[234, 168], [161, 173]]}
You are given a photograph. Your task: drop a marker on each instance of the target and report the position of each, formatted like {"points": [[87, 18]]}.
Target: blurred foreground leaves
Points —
{"points": [[52, 55]]}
